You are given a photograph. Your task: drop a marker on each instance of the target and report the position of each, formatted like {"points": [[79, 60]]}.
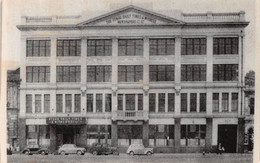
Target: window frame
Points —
{"points": [[191, 42], [30, 49], [61, 47]]}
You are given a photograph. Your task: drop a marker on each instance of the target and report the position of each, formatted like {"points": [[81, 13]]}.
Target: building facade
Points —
{"points": [[133, 76]]}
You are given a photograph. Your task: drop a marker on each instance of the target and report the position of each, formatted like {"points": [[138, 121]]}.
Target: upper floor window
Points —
{"points": [[38, 48], [99, 73], [225, 72], [131, 47], [28, 103], [36, 74], [99, 48], [228, 45], [68, 73], [162, 46], [68, 47], [130, 73], [161, 72], [193, 46], [193, 72]]}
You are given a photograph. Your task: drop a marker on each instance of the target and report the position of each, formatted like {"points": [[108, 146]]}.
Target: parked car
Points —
{"points": [[103, 149], [71, 149], [139, 149], [35, 149]]}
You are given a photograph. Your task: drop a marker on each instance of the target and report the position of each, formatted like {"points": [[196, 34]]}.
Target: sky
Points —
{"points": [[14, 9]]}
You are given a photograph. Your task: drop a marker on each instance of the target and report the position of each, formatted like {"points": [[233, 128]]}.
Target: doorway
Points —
{"points": [[227, 136]]}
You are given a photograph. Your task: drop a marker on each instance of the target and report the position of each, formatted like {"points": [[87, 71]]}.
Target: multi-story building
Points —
{"points": [[133, 76]]}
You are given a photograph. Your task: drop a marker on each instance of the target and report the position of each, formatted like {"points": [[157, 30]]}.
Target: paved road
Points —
{"points": [[123, 158]]}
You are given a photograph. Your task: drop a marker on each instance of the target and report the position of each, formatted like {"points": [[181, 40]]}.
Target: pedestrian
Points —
{"points": [[220, 149]]}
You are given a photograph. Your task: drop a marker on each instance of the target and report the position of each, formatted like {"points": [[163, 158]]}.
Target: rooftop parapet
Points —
{"points": [[48, 20]]}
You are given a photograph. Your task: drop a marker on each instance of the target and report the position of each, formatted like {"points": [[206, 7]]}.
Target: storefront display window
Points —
{"points": [[193, 135], [161, 135]]}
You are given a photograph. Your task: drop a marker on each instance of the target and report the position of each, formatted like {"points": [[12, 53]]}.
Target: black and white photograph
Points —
{"points": [[120, 81]]}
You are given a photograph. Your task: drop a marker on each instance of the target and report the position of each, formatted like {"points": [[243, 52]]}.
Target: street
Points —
{"points": [[123, 158]]}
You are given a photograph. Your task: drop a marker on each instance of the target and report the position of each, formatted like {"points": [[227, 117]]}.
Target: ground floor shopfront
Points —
{"points": [[169, 135]]}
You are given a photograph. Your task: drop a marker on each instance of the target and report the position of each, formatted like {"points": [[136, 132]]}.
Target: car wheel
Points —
{"points": [[27, 152], [149, 153], [131, 153], [79, 153], [42, 153], [62, 153], [94, 152]]}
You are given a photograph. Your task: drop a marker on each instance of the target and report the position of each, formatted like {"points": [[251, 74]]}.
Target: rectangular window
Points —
{"points": [[130, 73], [99, 73], [38, 103], [77, 102], [171, 102], [161, 46], [203, 102], [140, 101], [99, 102], [28, 103], [132, 47], [59, 103], [161, 107], [130, 101], [68, 103], [183, 102], [152, 102], [99, 48], [36, 74], [234, 102], [225, 102], [68, 47], [108, 103], [193, 102], [89, 102], [193, 72], [193, 46], [68, 73], [161, 72], [46, 103], [38, 48], [193, 135], [224, 46], [225, 72], [215, 102], [120, 101]]}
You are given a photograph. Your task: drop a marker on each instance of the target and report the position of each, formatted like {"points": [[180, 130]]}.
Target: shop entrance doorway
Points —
{"points": [[227, 136], [66, 135]]}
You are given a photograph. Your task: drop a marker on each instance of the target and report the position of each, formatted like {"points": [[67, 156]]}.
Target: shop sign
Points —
{"points": [[66, 120]]}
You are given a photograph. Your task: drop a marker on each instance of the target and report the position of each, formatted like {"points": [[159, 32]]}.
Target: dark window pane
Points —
{"points": [[193, 102], [225, 102], [183, 102], [152, 102], [68, 103], [203, 102], [108, 103], [77, 102], [161, 107], [99, 102], [120, 102], [46, 103], [89, 102], [215, 102], [140, 101], [38, 103], [59, 103], [130, 101], [171, 102], [28, 103]]}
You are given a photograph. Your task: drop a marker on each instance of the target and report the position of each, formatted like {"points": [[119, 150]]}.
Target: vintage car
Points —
{"points": [[139, 149], [103, 149], [35, 149], [71, 149]]}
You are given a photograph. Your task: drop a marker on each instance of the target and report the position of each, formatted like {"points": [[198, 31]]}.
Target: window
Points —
{"points": [[225, 46], [183, 102], [252, 105], [193, 72], [224, 102], [161, 106], [68, 47], [234, 102], [68, 74], [38, 48], [68, 103], [99, 73], [89, 102], [171, 102], [203, 102], [77, 102], [193, 135], [152, 102], [46, 103], [133, 47], [130, 101], [36, 74], [161, 46], [99, 102], [108, 103], [161, 135], [59, 103], [28, 103], [193, 46], [215, 102], [140, 101], [225, 72], [120, 101], [193, 102], [130, 73], [38, 103], [99, 48], [161, 72]]}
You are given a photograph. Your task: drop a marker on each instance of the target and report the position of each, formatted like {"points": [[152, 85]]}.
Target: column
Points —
{"points": [[114, 72], [166, 102], [23, 60], [22, 133], [63, 103], [198, 102], [83, 74], [103, 102], [42, 103], [114, 136], [52, 102], [22, 104], [240, 135], [177, 134], [136, 102], [53, 60], [156, 102], [146, 133], [33, 103], [208, 139], [52, 138], [209, 58], [124, 102], [220, 101], [229, 101], [177, 75], [146, 62], [188, 102], [94, 103]]}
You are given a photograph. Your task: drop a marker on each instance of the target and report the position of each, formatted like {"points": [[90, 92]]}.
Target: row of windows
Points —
{"points": [[132, 47], [132, 73], [225, 102]]}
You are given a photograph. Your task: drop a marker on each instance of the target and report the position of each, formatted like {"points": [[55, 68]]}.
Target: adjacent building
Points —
{"points": [[170, 81]]}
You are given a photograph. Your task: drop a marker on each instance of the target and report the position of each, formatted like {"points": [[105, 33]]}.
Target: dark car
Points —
{"points": [[103, 149], [35, 149]]}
